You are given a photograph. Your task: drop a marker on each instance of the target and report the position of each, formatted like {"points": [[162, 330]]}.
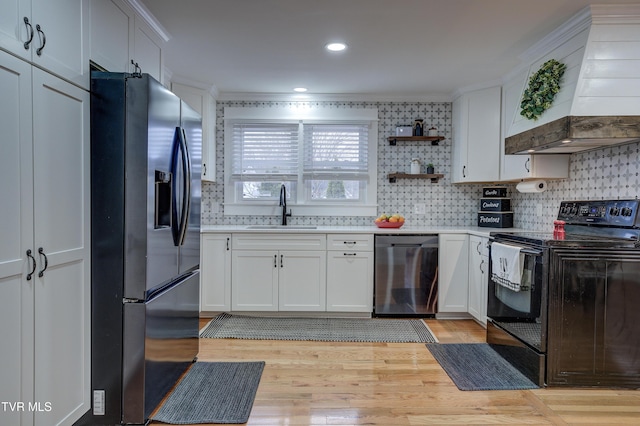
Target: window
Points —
{"points": [[336, 161], [264, 156], [327, 164]]}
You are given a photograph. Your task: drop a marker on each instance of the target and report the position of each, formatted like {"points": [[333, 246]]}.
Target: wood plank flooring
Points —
{"points": [[395, 384]]}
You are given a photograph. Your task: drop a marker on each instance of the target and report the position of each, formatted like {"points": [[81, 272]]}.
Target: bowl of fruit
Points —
{"points": [[389, 221]]}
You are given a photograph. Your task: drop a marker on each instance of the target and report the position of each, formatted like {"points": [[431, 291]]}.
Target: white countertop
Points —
{"points": [[473, 230]]}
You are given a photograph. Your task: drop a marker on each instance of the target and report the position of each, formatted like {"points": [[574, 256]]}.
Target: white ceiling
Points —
{"points": [[397, 48]]}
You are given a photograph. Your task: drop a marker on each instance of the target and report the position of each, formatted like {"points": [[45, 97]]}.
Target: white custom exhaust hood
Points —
{"points": [[598, 103]]}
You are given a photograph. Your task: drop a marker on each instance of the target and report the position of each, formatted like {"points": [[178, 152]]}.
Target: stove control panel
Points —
{"points": [[619, 213]]}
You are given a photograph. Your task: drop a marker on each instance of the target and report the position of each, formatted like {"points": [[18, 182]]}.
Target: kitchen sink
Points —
{"points": [[281, 227]]}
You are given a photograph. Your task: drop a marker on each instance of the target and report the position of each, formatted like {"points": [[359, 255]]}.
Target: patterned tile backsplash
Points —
{"points": [[605, 173]]}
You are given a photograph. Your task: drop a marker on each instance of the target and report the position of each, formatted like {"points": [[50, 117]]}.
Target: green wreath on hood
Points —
{"points": [[542, 89]]}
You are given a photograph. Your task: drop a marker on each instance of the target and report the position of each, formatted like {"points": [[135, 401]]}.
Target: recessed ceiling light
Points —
{"points": [[336, 47], [300, 89], [567, 141]]}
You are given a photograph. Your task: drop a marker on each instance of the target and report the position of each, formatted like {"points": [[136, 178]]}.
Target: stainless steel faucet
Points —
{"points": [[283, 204]]}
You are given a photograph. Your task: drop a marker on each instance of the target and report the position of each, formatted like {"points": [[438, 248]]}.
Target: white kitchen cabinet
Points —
{"points": [[349, 273], [519, 167], [120, 36], [476, 136], [278, 273], [44, 249], [453, 273], [302, 280], [478, 276], [53, 34], [147, 49], [548, 166], [203, 102], [254, 280], [215, 267], [112, 28]]}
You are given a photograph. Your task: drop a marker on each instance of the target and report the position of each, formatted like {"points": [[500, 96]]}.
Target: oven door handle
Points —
{"points": [[525, 250], [533, 252]]}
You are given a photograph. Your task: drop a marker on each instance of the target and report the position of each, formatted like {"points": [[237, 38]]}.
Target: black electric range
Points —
{"points": [[576, 323]]}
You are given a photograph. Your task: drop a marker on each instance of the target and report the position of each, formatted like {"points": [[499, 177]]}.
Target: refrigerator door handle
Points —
{"points": [[186, 185], [175, 151]]}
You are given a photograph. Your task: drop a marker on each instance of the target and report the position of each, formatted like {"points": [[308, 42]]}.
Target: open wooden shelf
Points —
{"points": [[434, 177], [435, 140]]}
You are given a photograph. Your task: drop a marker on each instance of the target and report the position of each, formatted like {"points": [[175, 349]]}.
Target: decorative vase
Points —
{"points": [[418, 127], [415, 166]]}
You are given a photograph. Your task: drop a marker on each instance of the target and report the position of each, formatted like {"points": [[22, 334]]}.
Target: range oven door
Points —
{"points": [[522, 313], [517, 327]]}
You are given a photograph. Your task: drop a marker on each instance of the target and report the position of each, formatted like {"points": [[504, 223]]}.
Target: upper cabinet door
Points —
{"points": [[147, 52], [54, 34], [14, 32], [476, 136], [112, 24]]}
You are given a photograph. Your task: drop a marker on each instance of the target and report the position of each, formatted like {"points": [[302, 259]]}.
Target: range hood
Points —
{"points": [[571, 134], [598, 104]]}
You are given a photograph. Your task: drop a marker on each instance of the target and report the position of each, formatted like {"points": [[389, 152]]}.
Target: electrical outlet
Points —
{"points": [[420, 208]]}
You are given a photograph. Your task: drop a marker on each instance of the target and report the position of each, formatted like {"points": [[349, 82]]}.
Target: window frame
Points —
{"points": [[301, 206]]}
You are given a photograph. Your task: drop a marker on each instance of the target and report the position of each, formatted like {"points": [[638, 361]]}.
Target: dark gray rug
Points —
{"points": [[213, 392], [226, 326], [475, 366]]}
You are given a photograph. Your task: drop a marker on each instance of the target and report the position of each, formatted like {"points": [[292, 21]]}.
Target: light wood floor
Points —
{"points": [[318, 383]]}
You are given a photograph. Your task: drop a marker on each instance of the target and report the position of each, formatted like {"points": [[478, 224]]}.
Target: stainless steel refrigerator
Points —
{"points": [[145, 231]]}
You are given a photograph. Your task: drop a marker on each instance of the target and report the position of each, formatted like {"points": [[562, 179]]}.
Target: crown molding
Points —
{"points": [[478, 86], [615, 13], [577, 23], [211, 89], [151, 20]]}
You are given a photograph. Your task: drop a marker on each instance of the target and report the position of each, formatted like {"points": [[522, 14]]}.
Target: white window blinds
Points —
{"points": [[336, 151], [265, 152]]}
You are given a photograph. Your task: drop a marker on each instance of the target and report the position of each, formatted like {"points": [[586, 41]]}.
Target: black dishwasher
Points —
{"points": [[406, 275]]}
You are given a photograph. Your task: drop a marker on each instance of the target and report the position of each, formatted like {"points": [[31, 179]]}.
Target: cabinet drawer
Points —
{"points": [[268, 241], [351, 242]]}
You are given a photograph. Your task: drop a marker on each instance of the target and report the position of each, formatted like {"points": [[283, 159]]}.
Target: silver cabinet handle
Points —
{"points": [[281, 261], [482, 263], [30, 29], [275, 260], [478, 247], [43, 39], [350, 254]]}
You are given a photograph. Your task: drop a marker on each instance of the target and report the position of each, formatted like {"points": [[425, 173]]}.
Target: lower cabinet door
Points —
{"points": [[254, 280], [302, 277], [350, 281], [215, 293]]}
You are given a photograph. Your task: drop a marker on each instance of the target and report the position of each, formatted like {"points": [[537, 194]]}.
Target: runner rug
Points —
{"points": [[475, 366], [227, 326], [213, 392]]}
